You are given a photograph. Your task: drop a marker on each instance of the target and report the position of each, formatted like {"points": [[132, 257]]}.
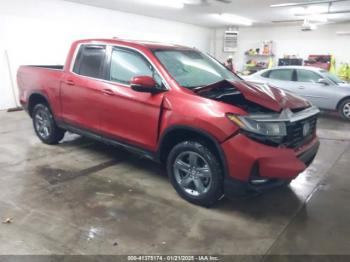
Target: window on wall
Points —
{"points": [[90, 61], [126, 64], [307, 76], [282, 74]]}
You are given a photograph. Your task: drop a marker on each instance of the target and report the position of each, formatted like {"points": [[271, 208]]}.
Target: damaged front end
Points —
{"points": [[224, 91], [274, 117], [276, 139], [285, 129]]}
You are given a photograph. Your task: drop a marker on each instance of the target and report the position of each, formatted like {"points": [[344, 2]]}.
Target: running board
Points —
{"points": [[106, 140]]}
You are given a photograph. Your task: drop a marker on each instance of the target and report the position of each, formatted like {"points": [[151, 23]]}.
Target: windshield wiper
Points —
{"points": [[199, 88]]}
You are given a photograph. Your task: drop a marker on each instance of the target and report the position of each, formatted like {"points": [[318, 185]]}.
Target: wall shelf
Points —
{"points": [[259, 55]]}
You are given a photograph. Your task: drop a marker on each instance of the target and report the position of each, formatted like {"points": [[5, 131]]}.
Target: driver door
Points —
{"points": [[126, 115], [309, 88]]}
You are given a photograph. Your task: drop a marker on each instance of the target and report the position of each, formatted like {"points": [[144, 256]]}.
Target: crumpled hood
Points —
{"points": [[269, 97]]}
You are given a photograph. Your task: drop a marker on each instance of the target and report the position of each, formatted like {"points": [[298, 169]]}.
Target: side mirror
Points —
{"points": [[323, 81], [144, 84]]}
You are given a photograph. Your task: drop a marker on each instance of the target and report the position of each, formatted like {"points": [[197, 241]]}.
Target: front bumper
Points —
{"points": [[248, 161]]}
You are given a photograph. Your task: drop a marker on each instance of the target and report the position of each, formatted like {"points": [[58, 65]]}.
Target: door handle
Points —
{"points": [[108, 92], [301, 87], [70, 82]]}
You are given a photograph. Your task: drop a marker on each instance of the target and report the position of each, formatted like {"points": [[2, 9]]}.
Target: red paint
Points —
{"points": [[117, 111], [273, 162]]}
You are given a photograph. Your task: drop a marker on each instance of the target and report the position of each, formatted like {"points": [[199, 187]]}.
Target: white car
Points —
{"points": [[323, 89]]}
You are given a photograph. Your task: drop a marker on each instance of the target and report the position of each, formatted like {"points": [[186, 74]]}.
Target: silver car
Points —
{"points": [[320, 87]]}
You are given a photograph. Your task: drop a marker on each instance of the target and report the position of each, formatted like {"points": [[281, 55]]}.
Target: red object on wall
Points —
{"points": [[320, 61]]}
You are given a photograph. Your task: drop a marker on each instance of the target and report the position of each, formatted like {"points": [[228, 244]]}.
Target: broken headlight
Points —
{"points": [[274, 131]]}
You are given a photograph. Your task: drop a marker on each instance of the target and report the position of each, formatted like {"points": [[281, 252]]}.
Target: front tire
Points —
{"points": [[344, 109], [45, 126], [195, 173]]}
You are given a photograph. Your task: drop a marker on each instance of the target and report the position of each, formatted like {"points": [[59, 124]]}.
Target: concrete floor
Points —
{"points": [[82, 197]]}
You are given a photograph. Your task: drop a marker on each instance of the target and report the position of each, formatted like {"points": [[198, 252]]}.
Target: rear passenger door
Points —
{"points": [[281, 78], [81, 90]]}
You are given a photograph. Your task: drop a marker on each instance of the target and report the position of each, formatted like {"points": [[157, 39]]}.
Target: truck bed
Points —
{"points": [[42, 79]]}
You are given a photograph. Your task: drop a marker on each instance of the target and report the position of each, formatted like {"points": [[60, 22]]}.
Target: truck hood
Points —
{"points": [[270, 97]]}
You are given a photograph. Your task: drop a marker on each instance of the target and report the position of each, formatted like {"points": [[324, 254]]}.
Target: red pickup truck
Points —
{"points": [[217, 134]]}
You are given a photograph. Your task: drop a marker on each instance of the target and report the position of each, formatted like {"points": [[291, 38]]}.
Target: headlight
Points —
{"points": [[261, 127]]}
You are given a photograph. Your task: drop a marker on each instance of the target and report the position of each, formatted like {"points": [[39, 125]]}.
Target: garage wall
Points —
{"points": [[40, 32], [288, 40]]}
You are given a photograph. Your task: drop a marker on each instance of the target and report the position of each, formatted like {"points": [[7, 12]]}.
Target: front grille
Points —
{"points": [[295, 137]]}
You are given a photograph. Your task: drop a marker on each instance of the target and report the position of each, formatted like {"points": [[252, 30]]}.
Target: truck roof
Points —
{"points": [[134, 43]]}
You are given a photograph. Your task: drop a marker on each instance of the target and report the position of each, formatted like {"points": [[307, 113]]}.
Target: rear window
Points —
{"points": [[90, 61]]}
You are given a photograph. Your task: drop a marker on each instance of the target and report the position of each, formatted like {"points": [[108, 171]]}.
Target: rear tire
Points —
{"points": [[195, 173], [45, 126], [344, 109]]}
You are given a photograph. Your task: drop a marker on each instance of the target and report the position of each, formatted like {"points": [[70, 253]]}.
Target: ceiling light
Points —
{"points": [[312, 13], [166, 3], [283, 5], [234, 19], [314, 2], [327, 12], [309, 10], [343, 33], [192, 2]]}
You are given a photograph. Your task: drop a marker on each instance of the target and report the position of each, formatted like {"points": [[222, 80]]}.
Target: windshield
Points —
{"points": [[193, 69], [332, 77]]}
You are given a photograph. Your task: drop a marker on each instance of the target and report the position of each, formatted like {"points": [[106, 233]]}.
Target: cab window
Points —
{"points": [[126, 64], [90, 61]]}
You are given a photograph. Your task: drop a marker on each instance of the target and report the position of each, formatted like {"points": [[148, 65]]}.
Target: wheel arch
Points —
{"points": [[34, 99], [341, 101], [176, 134]]}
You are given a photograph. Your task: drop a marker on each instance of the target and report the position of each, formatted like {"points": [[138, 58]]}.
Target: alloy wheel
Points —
{"points": [[346, 110], [43, 123], [192, 173]]}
